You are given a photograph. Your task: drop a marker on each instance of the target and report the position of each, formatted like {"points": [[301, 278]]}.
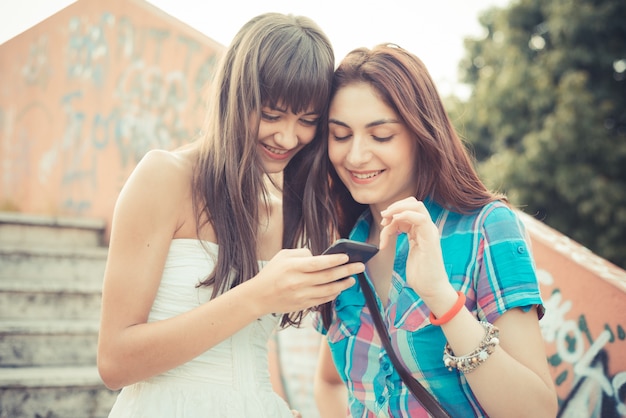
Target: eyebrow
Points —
{"points": [[369, 125]]}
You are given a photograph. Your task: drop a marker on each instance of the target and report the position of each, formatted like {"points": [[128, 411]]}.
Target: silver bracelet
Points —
{"points": [[471, 361]]}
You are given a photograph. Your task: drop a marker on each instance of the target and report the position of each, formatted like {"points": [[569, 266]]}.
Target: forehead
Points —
{"points": [[359, 103]]}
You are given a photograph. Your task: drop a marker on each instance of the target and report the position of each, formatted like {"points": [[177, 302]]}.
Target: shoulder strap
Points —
{"points": [[427, 400]]}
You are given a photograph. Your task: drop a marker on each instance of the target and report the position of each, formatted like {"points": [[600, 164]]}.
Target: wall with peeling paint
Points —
{"points": [[585, 324], [85, 93]]}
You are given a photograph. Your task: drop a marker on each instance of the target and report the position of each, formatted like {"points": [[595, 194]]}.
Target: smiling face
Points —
{"points": [[282, 134], [370, 147]]}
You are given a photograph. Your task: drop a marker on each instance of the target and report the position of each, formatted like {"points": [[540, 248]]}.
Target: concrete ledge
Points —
{"points": [[21, 377], [49, 327], [56, 221], [58, 252], [39, 285]]}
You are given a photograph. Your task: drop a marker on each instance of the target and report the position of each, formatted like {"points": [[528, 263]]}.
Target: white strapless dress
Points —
{"points": [[231, 380]]}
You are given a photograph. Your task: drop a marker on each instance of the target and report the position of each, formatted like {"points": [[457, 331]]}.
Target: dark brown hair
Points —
{"points": [[446, 172], [273, 59]]}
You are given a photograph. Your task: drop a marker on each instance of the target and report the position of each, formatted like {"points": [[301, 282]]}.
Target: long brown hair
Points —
{"points": [[446, 172], [273, 59]]}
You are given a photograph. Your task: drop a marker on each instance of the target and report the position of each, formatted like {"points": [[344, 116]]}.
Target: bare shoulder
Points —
{"points": [[165, 172], [156, 191], [162, 165]]}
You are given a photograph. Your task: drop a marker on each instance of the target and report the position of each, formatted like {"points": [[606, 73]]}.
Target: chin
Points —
{"points": [[362, 199], [274, 167]]}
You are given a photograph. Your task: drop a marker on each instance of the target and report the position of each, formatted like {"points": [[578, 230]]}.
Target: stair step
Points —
{"points": [[54, 392], [41, 285], [49, 377], [26, 249], [51, 230], [51, 273], [23, 260], [34, 298], [53, 343], [50, 326]]}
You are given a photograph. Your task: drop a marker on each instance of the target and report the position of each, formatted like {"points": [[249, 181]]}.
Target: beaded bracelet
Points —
{"points": [[471, 361]]}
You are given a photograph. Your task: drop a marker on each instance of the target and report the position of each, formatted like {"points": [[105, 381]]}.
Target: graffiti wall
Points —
{"points": [[585, 324], [83, 96]]}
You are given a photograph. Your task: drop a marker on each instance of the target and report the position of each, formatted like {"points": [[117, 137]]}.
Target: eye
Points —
{"points": [[309, 121], [382, 133], [269, 117], [340, 133], [382, 139]]}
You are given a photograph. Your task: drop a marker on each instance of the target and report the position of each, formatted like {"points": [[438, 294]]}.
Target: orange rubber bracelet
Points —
{"points": [[460, 302]]}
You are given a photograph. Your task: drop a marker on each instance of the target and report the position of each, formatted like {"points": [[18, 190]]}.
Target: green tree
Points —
{"points": [[547, 114]]}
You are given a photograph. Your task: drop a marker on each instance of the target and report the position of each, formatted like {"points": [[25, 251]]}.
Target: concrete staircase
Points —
{"points": [[51, 272]]}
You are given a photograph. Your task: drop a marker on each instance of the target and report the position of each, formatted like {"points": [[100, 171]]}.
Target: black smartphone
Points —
{"points": [[357, 251]]}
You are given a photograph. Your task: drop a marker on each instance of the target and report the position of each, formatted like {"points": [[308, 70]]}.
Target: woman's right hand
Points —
{"points": [[295, 280]]}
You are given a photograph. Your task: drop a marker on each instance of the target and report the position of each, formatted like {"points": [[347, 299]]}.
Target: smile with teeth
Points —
{"points": [[365, 176], [275, 150]]}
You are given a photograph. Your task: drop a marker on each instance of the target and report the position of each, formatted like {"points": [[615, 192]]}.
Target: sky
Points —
{"points": [[432, 29]]}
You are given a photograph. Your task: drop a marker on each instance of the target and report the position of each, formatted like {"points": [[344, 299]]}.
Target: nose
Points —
{"points": [[359, 152], [286, 136]]}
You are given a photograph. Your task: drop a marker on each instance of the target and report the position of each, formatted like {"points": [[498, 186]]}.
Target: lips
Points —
{"points": [[276, 153], [364, 177]]}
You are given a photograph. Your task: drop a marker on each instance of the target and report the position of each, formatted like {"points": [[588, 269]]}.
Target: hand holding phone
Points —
{"points": [[357, 251]]}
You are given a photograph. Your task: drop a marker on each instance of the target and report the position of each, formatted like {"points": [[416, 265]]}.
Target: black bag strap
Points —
{"points": [[427, 400]]}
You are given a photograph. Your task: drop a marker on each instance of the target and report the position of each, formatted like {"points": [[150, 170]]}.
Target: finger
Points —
{"points": [[322, 262], [409, 221], [329, 291], [319, 295], [385, 235], [335, 274], [343, 284], [405, 220], [409, 203]]}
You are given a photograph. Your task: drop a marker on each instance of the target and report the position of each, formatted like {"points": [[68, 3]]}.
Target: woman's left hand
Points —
{"points": [[425, 271]]}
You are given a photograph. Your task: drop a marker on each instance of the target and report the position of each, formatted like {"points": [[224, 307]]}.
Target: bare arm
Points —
{"points": [[518, 367], [146, 218], [331, 394]]}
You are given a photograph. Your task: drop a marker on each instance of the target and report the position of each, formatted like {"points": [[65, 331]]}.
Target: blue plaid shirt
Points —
{"points": [[487, 257]]}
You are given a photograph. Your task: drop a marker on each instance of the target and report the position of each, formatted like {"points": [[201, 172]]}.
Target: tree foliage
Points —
{"points": [[547, 114]]}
